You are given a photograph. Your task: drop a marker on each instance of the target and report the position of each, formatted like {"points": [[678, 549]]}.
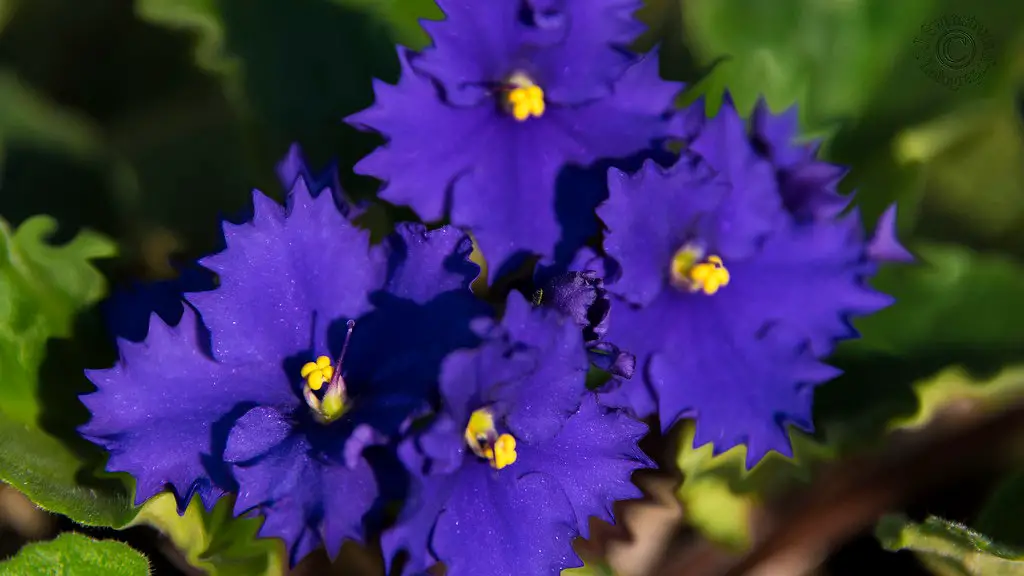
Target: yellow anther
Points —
{"points": [[525, 99], [689, 272], [504, 452], [483, 439], [317, 373]]}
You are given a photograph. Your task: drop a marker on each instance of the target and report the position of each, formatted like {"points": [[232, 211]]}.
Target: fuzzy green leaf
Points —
{"points": [[42, 288], [949, 548], [74, 554]]}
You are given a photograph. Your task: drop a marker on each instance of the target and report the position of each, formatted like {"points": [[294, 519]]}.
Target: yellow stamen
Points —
{"points": [[504, 452], [484, 440], [525, 99], [691, 273], [317, 373]]}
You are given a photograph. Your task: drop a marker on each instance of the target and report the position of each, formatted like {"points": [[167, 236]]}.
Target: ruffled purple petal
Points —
{"points": [[500, 173], [294, 167], [809, 279], [755, 203], [741, 386], [472, 379], [540, 403], [157, 411], [641, 238], [593, 457], [306, 495], [633, 396], [775, 136], [423, 264], [285, 277], [127, 312], [505, 525], [412, 531], [574, 48]]}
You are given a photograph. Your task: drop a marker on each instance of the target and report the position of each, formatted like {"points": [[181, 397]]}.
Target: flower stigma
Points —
{"points": [[523, 98], [483, 439], [691, 271], [332, 403]]}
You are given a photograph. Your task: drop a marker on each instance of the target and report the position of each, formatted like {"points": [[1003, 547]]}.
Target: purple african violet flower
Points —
{"points": [[318, 346], [481, 124], [520, 457], [735, 291]]}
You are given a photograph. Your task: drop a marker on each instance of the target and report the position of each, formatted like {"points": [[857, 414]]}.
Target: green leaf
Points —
{"points": [[28, 117], [955, 388], [954, 307], [42, 288], [296, 68], [953, 299], [77, 555], [718, 492], [949, 548], [832, 58], [214, 541], [50, 474]]}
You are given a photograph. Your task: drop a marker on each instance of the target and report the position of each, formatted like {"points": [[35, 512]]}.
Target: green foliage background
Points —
{"points": [[127, 129]]}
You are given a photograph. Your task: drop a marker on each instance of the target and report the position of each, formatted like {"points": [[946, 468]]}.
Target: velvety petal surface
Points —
{"points": [[285, 276], [294, 166], [160, 410], [540, 402], [593, 457], [573, 48], [650, 215], [740, 386], [500, 173], [423, 264], [307, 495], [505, 525]]}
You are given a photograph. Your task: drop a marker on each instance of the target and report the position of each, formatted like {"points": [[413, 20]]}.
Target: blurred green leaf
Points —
{"points": [[214, 541], [954, 307], [954, 387], [948, 548], [296, 68], [718, 492], [953, 299], [829, 56], [975, 184], [42, 288], [77, 555], [27, 117]]}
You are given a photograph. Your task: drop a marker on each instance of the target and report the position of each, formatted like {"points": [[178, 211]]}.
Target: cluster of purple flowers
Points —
{"points": [[320, 379]]}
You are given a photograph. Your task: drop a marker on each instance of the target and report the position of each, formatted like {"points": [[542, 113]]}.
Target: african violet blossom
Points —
{"points": [[268, 389], [514, 466], [511, 92], [741, 274]]}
